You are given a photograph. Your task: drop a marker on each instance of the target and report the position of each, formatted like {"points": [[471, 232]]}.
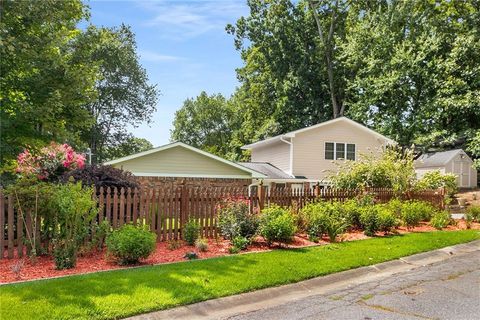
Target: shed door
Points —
{"points": [[462, 170]]}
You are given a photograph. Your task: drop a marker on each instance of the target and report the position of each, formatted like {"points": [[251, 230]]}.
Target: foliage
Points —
{"points": [[415, 211], [392, 169], [369, 218], [73, 209], [440, 220], [327, 218], [475, 212], [277, 225], [102, 176], [233, 250], [124, 95], [206, 122], [351, 211], [468, 220], [474, 148], [235, 219], [174, 244], [50, 162], [165, 286], [386, 219], [124, 145], [191, 232], [435, 179], [45, 82], [240, 242], [395, 206], [102, 230], [130, 243], [201, 244]]}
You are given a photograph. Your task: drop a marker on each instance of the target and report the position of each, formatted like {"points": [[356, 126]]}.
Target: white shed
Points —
{"points": [[452, 161]]}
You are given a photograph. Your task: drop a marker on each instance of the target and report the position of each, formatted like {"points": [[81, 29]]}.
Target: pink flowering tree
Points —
{"points": [[50, 162]]}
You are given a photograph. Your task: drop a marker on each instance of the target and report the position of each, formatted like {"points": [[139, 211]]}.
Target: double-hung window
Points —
{"points": [[339, 151]]}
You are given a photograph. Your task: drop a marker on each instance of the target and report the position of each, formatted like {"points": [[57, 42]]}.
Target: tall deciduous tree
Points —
{"points": [[125, 97], [206, 122], [44, 83], [125, 145]]}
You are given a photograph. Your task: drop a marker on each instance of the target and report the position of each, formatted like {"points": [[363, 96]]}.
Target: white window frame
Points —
{"points": [[344, 151]]}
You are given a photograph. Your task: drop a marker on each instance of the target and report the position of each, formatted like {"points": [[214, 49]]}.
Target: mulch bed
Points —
{"points": [[23, 269]]}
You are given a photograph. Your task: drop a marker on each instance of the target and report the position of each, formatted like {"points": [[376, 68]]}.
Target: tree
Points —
{"points": [[206, 122], [125, 97], [44, 82], [125, 145]]}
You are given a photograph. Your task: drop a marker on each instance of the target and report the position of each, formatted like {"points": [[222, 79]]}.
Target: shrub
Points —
{"points": [[277, 225], [235, 220], [313, 219], [351, 209], [435, 179], [415, 211], [440, 220], [130, 243], [328, 218], [468, 220], [474, 211], [73, 208], [240, 242], [395, 206], [233, 250], [201, 244], [102, 176], [174, 244], [191, 232], [386, 219], [369, 219]]}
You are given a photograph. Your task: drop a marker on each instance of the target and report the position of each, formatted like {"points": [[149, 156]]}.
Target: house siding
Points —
{"points": [[463, 168], [278, 154], [180, 161], [309, 148]]}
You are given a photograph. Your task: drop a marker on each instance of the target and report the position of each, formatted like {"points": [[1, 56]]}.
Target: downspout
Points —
{"points": [[291, 154]]}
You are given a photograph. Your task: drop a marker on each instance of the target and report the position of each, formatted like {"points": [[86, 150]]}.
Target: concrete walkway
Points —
{"points": [[364, 293]]}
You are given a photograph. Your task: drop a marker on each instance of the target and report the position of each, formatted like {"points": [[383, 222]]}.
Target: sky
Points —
{"points": [[182, 45]]}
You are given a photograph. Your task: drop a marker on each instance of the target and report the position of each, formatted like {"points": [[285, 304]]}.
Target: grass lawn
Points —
{"points": [[122, 293]]}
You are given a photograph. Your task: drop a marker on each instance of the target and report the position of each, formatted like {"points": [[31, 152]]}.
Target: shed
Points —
{"points": [[177, 162], [451, 161]]}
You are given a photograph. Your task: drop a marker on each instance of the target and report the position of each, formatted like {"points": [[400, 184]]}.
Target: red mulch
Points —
{"points": [[44, 266]]}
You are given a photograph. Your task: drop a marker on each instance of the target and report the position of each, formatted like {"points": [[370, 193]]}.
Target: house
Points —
{"points": [[178, 162], [311, 154], [452, 161]]}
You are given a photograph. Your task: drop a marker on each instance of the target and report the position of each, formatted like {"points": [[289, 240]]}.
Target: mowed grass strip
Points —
{"points": [[122, 293]]}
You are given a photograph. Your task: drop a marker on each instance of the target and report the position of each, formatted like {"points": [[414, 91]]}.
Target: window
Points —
{"points": [[351, 152], [329, 150], [339, 151]]}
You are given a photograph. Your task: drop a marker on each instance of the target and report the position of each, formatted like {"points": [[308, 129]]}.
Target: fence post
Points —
{"points": [[316, 192], [261, 195], [183, 205]]}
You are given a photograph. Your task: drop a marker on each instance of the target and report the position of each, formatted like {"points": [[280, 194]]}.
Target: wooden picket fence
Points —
{"points": [[166, 210]]}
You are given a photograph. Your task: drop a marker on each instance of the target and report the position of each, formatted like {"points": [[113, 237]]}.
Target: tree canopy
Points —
{"points": [[408, 69], [61, 83]]}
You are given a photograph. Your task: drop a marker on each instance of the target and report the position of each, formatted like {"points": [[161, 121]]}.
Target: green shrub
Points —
{"points": [[240, 242], [435, 179], [65, 254], [277, 225], [395, 206], [174, 244], [369, 219], [201, 244], [468, 220], [415, 211], [313, 217], [191, 232], [474, 211], [331, 218], [233, 250], [130, 243], [440, 220], [386, 219], [235, 219], [351, 209]]}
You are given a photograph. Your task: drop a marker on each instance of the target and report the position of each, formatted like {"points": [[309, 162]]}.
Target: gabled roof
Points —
{"points": [[293, 133], [269, 170], [437, 159], [255, 174]]}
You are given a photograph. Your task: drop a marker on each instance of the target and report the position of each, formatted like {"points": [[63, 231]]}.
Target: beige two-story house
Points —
{"points": [[309, 155]]}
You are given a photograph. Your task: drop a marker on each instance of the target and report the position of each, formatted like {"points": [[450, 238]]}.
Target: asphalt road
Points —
{"points": [[445, 290]]}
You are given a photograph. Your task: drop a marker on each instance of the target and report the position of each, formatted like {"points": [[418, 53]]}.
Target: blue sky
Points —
{"points": [[182, 45]]}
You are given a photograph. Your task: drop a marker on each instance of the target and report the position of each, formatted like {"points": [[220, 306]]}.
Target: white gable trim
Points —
{"points": [[292, 134], [196, 175], [254, 174]]}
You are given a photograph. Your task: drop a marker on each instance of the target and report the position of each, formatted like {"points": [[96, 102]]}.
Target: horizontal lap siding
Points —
{"points": [[277, 154]]}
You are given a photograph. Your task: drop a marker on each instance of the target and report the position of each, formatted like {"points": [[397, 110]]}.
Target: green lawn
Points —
{"points": [[122, 293]]}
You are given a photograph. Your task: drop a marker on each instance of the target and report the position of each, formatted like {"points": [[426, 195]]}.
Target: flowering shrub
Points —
{"points": [[235, 219], [50, 162]]}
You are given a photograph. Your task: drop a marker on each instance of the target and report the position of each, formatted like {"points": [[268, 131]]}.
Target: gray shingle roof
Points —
{"points": [[267, 169], [436, 159]]}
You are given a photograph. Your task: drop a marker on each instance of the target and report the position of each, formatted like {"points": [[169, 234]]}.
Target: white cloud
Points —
{"points": [[185, 19], [156, 57]]}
